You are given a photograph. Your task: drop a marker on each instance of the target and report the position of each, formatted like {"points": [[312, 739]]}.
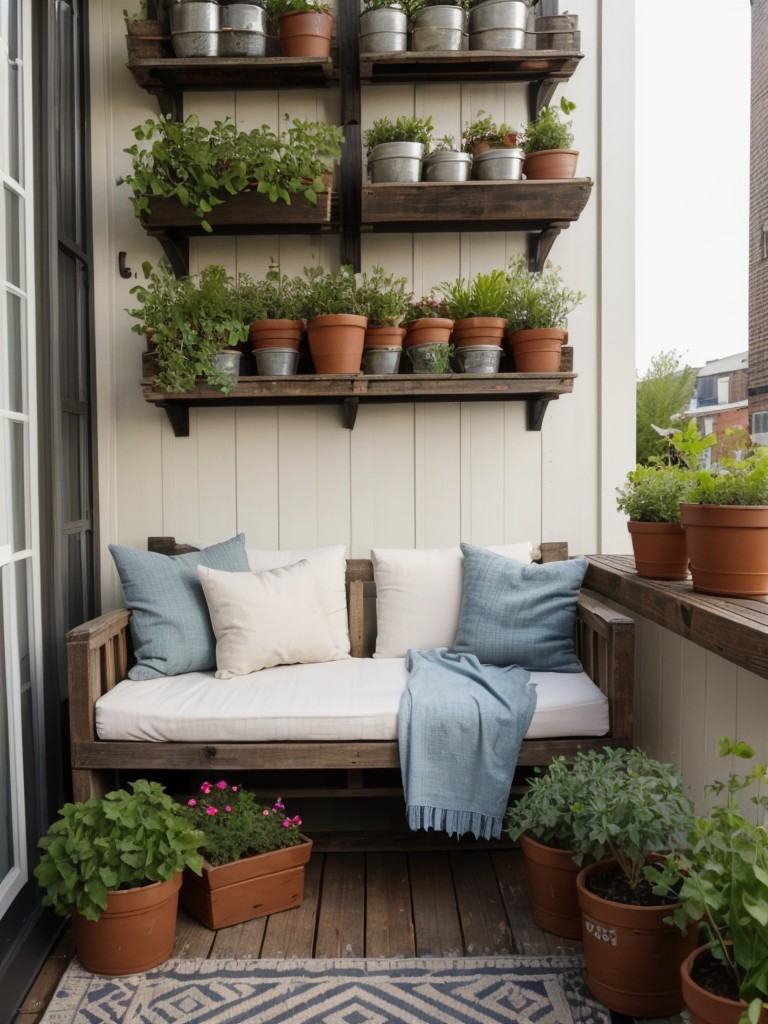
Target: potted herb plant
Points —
{"points": [[425, 322], [254, 857], [496, 155], [333, 304], [383, 27], [725, 518], [146, 38], [477, 307], [115, 866], [633, 809], [272, 310], [498, 24], [440, 25], [445, 162], [190, 321], [305, 27], [539, 305], [721, 881], [201, 168], [395, 149], [547, 143], [651, 497], [386, 300]]}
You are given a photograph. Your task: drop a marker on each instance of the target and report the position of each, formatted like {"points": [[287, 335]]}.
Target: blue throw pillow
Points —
{"points": [[170, 624], [517, 614]]}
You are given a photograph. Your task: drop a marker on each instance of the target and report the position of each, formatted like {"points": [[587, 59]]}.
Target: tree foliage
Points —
{"points": [[662, 394]]}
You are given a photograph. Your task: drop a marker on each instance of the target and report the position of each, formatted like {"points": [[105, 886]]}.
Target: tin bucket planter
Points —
{"points": [[502, 164], [383, 31], [195, 28], [439, 28], [498, 25], [478, 358], [396, 161], [433, 357], [446, 165], [243, 31], [385, 359], [276, 362], [227, 361]]}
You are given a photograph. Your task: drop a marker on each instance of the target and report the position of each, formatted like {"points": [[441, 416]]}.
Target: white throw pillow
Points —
{"points": [[266, 618], [329, 569], [418, 595]]}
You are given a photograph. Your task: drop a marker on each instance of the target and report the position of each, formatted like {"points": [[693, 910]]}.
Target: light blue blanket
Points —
{"points": [[460, 727]]}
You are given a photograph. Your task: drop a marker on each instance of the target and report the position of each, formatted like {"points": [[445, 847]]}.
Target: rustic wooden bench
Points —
{"points": [[99, 655]]}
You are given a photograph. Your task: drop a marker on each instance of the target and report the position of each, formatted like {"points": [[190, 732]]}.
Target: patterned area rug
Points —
{"points": [[526, 990]]}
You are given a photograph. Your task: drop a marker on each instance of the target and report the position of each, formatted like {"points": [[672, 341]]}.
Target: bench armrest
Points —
{"points": [[605, 643], [98, 654]]}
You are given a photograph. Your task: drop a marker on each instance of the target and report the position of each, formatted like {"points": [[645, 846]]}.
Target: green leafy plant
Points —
{"points": [[538, 299], [402, 129], [436, 357], [549, 131], [483, 129], [124, 840], [235, 825], [277, 8], [321, 292], [445, 144], [463, 4], [202, 166], [276, 297], [631, 807], [738, 479], [721, 879], [190, 319], [486, 294], [428, 306], [385, 298]]}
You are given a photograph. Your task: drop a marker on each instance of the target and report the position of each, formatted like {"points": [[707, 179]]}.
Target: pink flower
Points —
{"points": [[221, 785], [211, 810], [227, 808], [191, 803], [234, 789], [205, 788], [265, 813]]}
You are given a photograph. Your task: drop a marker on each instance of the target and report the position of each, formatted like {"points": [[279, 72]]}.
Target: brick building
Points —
{"points": [[719, 402]]}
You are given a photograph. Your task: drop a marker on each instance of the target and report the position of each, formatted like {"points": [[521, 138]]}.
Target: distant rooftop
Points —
{"points": [[727, 364]]}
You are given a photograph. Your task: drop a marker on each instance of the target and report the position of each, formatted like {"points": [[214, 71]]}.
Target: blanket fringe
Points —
{"points": [[482, 826]]}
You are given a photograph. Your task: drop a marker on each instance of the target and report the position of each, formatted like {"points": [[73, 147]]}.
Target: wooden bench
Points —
{"points": [[99, 655]]}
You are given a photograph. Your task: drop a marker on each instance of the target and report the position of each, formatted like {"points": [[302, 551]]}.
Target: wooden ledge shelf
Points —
{"points": [[168, 78], [734, 628], [543, 70], [349, 390]]}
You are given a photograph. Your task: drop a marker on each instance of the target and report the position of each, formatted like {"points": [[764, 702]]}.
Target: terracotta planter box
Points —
{"points": [[249, 888]]}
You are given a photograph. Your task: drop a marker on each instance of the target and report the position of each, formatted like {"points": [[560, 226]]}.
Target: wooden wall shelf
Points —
{"points": [[349, 390]]}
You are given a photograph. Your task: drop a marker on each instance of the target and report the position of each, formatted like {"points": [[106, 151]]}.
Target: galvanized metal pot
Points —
{"points": [[499, 165], [276, 362], [383, 31], [439, 28], [478, 358], [243, 31], [381, 360], [227, 362], [195, 28], [447, 166], [498, 25], [396, 161]]}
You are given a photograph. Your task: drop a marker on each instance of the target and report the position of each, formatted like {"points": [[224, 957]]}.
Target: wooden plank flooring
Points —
{"points": [[393, 903]]}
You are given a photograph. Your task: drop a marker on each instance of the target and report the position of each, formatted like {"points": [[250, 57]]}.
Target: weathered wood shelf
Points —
{"points": [[543, 70], [734, 628], [169, 78], [349, 390]]}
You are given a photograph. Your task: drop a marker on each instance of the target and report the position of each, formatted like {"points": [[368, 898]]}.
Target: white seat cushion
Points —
{"points": [[354, 699]]}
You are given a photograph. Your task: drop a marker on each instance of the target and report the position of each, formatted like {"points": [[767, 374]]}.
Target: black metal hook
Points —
{"points": [[124, 271]]}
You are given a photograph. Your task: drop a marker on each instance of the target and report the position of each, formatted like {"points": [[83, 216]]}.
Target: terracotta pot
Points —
{"points": [[136, 932], [428, 330], [383, 337], [275, 334], [631, 957], [252, 887], [305, 34], [336, 342], [660, 550], [551, 163], [537, 350], [551, 880], [728, 548], [705, 1007], [479, 330]]}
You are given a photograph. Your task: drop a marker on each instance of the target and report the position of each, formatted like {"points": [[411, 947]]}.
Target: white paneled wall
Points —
{"points": [[407, 475]]}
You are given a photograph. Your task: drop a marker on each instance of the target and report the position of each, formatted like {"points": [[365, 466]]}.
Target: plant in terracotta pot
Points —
{"points": [[333, 305], [386, 300], [271, 308], [254, 857], [395, 149], [477, 307], [721, 881], [115, 866], [538, 308], [426, 323], [651, 497], [305, 27], [725, 517], [635, 809], [191, 320], [547, 143]]}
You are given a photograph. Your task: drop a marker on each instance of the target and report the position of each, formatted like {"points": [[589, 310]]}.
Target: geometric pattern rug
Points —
{"points": [[498, 990]]}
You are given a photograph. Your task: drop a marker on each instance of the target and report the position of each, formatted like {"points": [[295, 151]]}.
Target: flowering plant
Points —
{"points": [[235, 825], [427, 306]]}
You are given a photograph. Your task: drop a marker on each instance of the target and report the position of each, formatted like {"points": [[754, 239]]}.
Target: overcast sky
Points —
{"points": [[692, 186]]}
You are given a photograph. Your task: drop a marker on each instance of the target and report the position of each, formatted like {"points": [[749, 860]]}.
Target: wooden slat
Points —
{"points": [[193, 939], [469, 65], [341, 916], [244, 210], [240, 941], [484, 920], [292, 933], [527, 937], [175, 74], [435, 919], [389, 915]]}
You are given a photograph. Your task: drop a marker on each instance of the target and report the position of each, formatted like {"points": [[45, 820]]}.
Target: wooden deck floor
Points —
{"points": [[393, 903]]}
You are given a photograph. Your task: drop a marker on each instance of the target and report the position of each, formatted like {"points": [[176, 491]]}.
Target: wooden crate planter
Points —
{"points": [[248, 888]]}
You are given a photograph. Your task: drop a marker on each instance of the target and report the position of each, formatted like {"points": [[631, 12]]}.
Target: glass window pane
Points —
{"points": [[22, 625], [18, 489], [16, 353], [14, 252], [6, 822]]}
